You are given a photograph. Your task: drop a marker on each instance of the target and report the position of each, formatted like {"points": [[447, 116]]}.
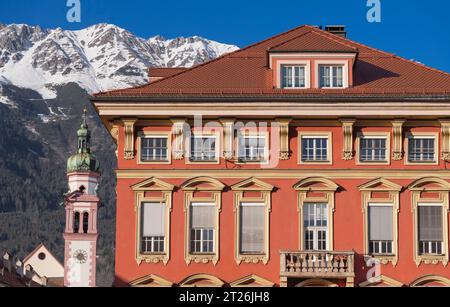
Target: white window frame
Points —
{"points": [[150, 135], [373, 135], [292, 66], [214, 135], [202, 239], [316, 229], [262, 135], [345, 72], [321, 135], [305, 63], [418, 135]]}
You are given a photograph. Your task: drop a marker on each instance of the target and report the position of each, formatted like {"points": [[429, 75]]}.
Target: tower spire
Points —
{"points": [[83, 160]]}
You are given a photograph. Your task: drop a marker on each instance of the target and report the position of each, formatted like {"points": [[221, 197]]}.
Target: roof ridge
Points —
{"points": [[389, 54], [289, 40], [333, 38]]}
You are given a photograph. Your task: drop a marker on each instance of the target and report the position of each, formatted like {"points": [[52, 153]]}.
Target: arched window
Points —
{"points": [[76, 222], [85, 222]]}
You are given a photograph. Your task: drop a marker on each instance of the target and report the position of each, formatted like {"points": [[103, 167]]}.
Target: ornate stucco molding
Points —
{"points": [[347, 128], [178, 142], [397, 134], [283, 126], [228, 138], [129, 138], [445, 126]]}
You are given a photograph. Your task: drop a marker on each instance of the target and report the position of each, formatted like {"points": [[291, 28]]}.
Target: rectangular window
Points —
{"points": [[203, 149], [154, 149], [153, 227], [380, 229], [331, 76], [202, 228], [252, 148], [315, 223], [252, 220], [421, 149], [430, 230], [314, 149], [372, 149], [293, 76]]}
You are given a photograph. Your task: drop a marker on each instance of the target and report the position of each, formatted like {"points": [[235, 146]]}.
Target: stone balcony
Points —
{"points": [[317, 265]]}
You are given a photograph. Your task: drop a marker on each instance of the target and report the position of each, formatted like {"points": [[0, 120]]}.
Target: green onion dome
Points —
{"points": [[83, 160]]}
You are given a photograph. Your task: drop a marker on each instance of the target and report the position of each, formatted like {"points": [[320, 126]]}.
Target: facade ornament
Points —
{"points": [[445, 126], [397, 132], [283, 125], [347, 127], [228, 138], [178, 133], [129, 138]]}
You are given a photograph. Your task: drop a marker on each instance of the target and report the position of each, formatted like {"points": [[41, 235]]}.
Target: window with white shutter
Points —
{"points": [[252, 228], [202, 228], [153, 227], [380, 229]]}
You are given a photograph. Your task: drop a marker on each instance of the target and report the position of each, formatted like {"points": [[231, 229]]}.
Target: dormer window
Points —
{"points": [[331, 76], [293, 76]]}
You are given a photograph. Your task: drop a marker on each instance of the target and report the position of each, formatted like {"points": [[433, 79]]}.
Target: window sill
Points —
{"points": [[201, 258]]}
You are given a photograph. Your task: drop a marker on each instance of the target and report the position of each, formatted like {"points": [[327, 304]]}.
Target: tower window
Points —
{"points": [[85, 222], [76, 222]]}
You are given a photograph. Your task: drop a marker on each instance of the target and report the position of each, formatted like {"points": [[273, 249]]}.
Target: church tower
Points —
{"points": [[81, 204]]}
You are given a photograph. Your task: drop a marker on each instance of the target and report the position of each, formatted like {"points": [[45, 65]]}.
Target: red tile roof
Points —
{"points": [[160, 72], [245, 73]]}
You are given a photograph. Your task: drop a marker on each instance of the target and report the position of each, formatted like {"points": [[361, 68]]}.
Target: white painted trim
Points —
{"points": [[345, 72], [306, 64]]}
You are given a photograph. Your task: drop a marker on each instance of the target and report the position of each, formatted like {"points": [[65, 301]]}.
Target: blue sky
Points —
{"points": [[414, 29]]}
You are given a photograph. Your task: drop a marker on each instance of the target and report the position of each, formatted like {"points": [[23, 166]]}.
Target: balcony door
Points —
{"points": [[315, 222]]}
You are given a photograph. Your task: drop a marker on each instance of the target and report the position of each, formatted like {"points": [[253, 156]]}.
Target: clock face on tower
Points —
{"points": [[80, 256]]}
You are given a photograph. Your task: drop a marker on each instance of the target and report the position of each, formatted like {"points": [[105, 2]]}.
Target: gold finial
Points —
{"points": [[85, 110]]}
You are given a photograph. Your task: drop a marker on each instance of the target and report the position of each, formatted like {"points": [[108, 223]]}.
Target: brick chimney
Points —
{"points": [[338, 30]]}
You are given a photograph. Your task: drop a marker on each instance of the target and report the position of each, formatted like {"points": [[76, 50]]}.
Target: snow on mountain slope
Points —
{"points": [[98, 58]]}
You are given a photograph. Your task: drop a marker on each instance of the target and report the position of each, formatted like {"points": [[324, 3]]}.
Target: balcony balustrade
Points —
{"points": [[312, 264]]}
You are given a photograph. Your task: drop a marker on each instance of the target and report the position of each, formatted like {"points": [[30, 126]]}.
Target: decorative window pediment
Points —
{"points": [[202, 184], [316, 184], [153, 184], [430, 184], [252, 281], [381, 281], [202, 280], [380, 184], [431, 281], [151, 281], [252, 184]]}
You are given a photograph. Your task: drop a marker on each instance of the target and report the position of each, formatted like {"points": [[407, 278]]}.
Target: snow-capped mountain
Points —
{"points": [[98, 58]]}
